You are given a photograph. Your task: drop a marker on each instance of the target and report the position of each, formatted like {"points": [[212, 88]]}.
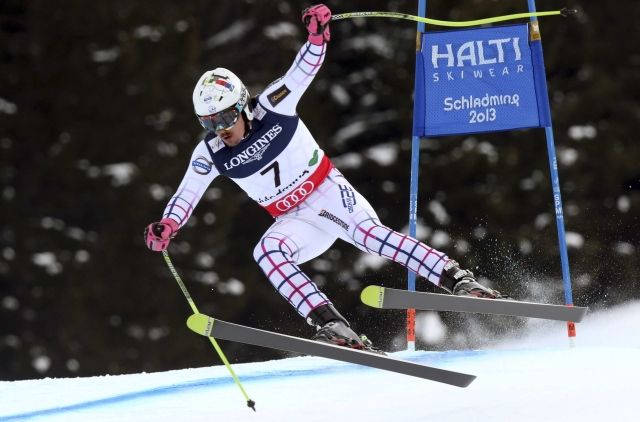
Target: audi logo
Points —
{"points": [[295, 197]]}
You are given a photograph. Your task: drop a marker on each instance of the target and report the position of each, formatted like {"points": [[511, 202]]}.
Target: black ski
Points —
{"points": [[386, 298], [212, 327]]}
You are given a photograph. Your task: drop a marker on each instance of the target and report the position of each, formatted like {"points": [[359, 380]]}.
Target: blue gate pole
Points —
{"points": [[557, 201], [413, 189]]}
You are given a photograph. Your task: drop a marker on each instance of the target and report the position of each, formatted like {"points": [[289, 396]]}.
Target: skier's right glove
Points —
{"points": [[158, 235], [316, 19]]}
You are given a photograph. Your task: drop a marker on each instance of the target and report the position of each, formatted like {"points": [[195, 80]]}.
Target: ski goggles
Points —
{"points": [[222, 120]]}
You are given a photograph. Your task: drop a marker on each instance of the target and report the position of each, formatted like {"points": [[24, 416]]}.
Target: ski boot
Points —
{"points": [[463, 283], [333, 328]]}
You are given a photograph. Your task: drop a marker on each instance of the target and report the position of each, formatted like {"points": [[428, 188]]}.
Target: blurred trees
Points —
{"points": [[96, 129]]}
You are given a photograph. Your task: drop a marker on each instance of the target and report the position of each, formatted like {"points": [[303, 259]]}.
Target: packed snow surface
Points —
{"points": [[534, 377]]}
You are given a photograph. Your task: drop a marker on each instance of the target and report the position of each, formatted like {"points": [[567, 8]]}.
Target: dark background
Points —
{"points": [[97, 127]]}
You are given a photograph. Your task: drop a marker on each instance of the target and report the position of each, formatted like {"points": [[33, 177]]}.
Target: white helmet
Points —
{"points": [[220, 90]]}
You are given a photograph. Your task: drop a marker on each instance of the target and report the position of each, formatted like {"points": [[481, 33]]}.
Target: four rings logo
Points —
{"points": [[295, 197]]}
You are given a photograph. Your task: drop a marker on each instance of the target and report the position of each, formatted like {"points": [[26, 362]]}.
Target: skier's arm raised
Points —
{"points": [[282, 96]]}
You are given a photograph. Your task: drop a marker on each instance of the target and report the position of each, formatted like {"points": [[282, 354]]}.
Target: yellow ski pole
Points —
{"points": [[437, 22], [223, 358]]}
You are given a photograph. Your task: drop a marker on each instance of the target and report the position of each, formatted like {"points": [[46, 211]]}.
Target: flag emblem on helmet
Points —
{"points": [[217, 80], [224, 84]]}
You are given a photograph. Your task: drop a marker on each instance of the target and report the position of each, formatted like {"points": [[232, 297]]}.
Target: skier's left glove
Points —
{"points": [[316, 19], [158, 235]]}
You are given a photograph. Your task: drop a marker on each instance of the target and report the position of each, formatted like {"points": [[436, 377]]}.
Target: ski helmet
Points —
{"points": [[219, 99]]}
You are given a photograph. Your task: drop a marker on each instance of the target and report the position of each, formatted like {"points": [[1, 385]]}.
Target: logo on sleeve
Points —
{"points": [[259, 112], [201, 165], [278, 95]]}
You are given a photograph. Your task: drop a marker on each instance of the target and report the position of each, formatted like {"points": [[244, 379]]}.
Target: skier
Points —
{"points": [[264, 147]]}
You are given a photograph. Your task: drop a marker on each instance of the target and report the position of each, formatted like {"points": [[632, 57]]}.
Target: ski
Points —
{"points": [[386, 298], [213, 327]]}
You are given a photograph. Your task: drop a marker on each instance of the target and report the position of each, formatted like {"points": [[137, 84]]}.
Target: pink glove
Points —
{"points": [[158, 235], [316, 19]]}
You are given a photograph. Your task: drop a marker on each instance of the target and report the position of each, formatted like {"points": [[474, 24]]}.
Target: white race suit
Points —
{"points": [[281, 166]]}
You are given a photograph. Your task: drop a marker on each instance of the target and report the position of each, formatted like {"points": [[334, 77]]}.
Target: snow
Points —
{"points": [[623, 203], [149, 32], [533, 377], [625, 248], [439, 212], [567, 156], [351, 130], [369, 262], [281, 29], [350, 160], [582, 132], [122, 173], [7, 106], [383, 154], [574, 240], [106, 55], [234, 32]]}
